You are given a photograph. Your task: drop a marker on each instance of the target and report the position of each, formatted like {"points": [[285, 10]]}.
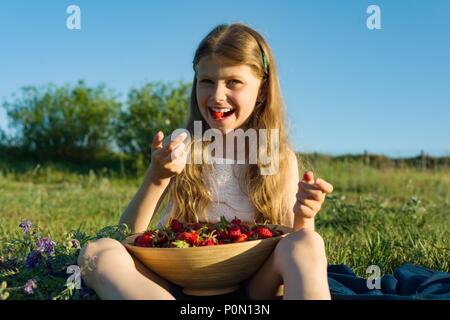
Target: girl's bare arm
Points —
{"points": [[145, 203], [168, 159]]}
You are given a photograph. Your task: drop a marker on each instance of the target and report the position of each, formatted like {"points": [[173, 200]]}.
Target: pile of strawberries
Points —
{"points": [[184, 235]]}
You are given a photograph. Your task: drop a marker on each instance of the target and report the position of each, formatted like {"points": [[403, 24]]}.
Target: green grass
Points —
{"points": [[383, 217]]}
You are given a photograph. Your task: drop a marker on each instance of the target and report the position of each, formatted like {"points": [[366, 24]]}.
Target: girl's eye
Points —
{"points": [[235, 82], [232, 82]]}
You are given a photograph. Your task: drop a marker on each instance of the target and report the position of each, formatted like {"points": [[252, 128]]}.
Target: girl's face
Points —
{"points": [[226, 95]]}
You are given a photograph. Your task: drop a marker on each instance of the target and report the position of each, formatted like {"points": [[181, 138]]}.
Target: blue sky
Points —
{"points": [[346, 88]]}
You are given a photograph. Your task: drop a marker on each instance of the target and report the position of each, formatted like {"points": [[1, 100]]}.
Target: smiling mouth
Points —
{"points": [[220, 113]]}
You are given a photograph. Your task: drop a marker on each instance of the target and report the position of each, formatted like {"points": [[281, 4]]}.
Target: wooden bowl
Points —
{"points": [[208, 270]]}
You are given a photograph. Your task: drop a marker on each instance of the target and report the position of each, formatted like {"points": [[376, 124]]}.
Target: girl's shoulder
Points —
{"points": [[292, 156], [293, 164]]}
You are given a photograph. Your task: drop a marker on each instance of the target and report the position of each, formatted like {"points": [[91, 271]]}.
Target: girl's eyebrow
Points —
{"points": [[227, 77]]}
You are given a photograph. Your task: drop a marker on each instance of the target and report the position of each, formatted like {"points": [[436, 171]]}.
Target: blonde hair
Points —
{"points": [[238, 44]]}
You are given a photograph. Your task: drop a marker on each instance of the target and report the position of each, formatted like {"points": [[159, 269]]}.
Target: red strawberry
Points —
{"points": [[308, 176], [137, 241], [196, 226], [217, 115], [161, 239], [236, 221], [189, 237], [194, 238], [147, 237], [183, 235], [244, 227], [234, 232], [143, 240], [263, 233], [241, 238], [206, 242], [176, 225], [250, 233], [222, 235]]}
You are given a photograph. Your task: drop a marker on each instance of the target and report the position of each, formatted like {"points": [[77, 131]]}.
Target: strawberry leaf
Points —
{"points": [[180, 244]]}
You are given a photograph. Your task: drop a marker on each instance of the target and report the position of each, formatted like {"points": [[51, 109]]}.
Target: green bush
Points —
{"points": [[64, 122], [153, 107]]}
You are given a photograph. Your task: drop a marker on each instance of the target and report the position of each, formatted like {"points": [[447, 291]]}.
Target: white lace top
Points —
{"points": [[228, 199]]}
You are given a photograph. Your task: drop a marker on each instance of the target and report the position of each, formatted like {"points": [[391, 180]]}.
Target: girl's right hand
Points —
{"points": [[169, 160]]}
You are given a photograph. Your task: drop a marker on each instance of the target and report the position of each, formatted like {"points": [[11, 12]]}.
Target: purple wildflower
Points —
{"points": [[26, 225], [34, 258], [30, 286], [46, 245]]}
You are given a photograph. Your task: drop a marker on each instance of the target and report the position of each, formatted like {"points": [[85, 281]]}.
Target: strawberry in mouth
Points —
{"points": [[220, 113]]}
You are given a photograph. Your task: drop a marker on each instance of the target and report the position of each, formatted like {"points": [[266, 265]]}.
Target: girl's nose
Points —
{"points": [[219, 93]]}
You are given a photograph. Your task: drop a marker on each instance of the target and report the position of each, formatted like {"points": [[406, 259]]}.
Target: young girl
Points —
{"points": [[235, 87]]}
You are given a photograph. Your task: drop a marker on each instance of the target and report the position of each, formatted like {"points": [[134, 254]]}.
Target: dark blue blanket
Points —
{"points": [[408, 282]]}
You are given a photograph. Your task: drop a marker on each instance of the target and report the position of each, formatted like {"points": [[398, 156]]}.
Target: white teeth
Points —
{"points": [[221, 109]]}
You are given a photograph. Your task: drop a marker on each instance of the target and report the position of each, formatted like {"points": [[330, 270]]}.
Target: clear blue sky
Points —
{"points": [[347, 88]]}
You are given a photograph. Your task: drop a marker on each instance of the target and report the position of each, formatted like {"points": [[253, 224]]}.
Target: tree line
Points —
{"points": [[90, 125]]}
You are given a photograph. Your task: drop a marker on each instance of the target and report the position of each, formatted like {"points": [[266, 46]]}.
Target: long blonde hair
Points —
{"points": [[238, 44]]}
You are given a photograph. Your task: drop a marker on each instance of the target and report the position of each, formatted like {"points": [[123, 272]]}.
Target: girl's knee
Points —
{"points": [[309, 238], [303, 237], [92, 248], [301, 244], [94, 251], [105, 243]]}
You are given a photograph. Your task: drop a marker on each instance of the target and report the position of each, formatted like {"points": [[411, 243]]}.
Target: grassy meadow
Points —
{"points": [[375, 216]]}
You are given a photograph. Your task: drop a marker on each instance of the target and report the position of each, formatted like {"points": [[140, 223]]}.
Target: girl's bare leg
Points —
{"points": [[299, 262], [108, 268]]}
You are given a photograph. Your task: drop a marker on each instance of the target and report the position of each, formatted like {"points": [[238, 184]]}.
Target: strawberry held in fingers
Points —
{"points": [[308, 176]]}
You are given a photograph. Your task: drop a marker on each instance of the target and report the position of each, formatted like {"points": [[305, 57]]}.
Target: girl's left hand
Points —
{"points": [[311, 195]]}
